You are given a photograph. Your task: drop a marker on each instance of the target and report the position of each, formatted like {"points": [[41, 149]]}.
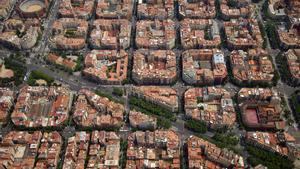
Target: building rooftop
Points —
{"points": [[81, 9], [100, 148], [69, 34], [21, 149], [106, 66], [243, 33], [21, 145], [77, 150], [67, 62], [241, 8], [27, 9], [110, 34], [49, 150], [154, 67], [7, 97], [39, 106], [261, 108], [254, 65], [293, 60], [19, 34], [212, 105], [203, 66], [155, 34], [163, 96], [158, 149], [280, 142], [202, 33], [290, 38], [277, 8], [142, 121], [294, 11], [158, 9], [104, 150], [203, 154], [257, 94], [113, 9], [197, 9], [91, 110]]}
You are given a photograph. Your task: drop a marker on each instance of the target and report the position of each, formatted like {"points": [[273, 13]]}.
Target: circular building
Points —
{"points": [[32, 8]]}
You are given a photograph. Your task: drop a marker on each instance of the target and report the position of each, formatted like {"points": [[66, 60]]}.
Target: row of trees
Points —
{"points": [[164, 117], [282, 65], [295, 104], [225, 140], [118, 92], [151, 108], [123, 158], [270, 28], [196, 126], [268, 159], [265, 8]]}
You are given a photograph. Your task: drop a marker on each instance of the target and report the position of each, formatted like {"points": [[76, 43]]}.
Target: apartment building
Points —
{"points": [[212, 105], [154, 67], [203, 66]]}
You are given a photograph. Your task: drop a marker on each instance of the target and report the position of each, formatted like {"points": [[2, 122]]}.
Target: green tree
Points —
{"points": [[295, 102], [232, 3], [196, 126], [225, 140], [117, 92], [272, 34], [150, 108], [268, 159], [163, 123]]}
